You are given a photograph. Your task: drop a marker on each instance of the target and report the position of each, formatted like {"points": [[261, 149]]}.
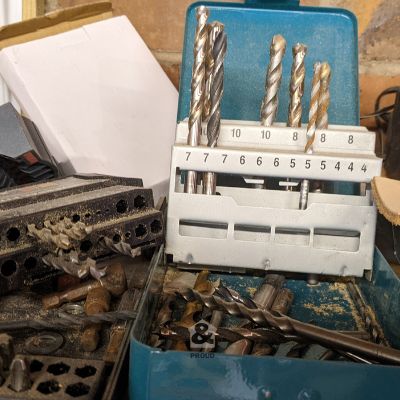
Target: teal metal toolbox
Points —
{"points": [[330, 34]]}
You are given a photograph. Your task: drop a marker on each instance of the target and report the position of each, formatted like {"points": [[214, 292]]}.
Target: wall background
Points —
{"points": [[161, 24]]}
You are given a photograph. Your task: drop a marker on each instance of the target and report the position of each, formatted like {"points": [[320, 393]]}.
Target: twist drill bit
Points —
{"points": [[289, 325], [297, 85], [197, 89], [217, 91], [269, 104], [66, 321], [74, 230], [47, 237], [239, 348], [324, 97], [71, 266], [213, 29], [120, 247], [311, 127]]}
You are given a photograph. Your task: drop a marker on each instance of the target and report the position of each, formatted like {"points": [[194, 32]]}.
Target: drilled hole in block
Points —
{"points": [[30, 263], [128, 235], [86, 371], [86, 245], [58, 369], [77, 389], [76, 218], [88, 215], [121, 206], [116, 238], [49, 387], [8, 268], [156, 226], [35, 366], [140, 231], [139, 202], [13, 234]]}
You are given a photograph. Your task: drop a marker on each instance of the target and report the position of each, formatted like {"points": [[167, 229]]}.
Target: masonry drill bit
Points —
{"points": [[197, 89], [311, 127], [269, 106], [213, 29], [285, 324], [324, 97], [297, 85], [216, 93]]}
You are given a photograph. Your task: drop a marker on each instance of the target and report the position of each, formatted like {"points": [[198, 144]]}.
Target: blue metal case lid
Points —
{"points": [[330, 35]]}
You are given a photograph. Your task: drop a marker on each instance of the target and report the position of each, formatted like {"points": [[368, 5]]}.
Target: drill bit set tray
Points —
{"points": [[252, 197], [251, 227]]}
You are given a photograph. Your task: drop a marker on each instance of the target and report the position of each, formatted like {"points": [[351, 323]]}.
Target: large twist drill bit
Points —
{"points": [[213, 29], [197, 90], [217, 91], [311, 127], [289, 325], [324, 97], [269, 104]]}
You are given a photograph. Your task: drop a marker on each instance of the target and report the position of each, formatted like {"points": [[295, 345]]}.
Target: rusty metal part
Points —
{"points": [[44, 343], [19, 375], [265, 295], [239, 348], [197, 90], [66, 281], [114, 281], [6, 350], [269, 106], [325, 337], [129, 301], [97, 301], [283, 301]]}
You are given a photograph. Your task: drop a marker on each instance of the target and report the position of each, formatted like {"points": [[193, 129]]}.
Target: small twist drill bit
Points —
{"points": [[70, 264], [120, 247], [47, 237], [297, 85], [288, 325], [197, 90], [324, 97], [213, 29], [269, 104], [67, 321], [311, 127], [217, 91]]}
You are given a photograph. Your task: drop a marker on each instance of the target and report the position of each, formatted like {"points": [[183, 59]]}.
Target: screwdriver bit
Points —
{"points": [[197, 91], [216, 93], [286, 324], [311, 127], [265, 295], [269, 106]]}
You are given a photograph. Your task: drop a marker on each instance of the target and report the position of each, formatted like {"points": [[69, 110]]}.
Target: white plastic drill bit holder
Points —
{"points": [[265, 229]]}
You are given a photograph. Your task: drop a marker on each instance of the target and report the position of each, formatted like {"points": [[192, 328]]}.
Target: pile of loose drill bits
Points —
{"points": [[210, 47], [211, 317]]}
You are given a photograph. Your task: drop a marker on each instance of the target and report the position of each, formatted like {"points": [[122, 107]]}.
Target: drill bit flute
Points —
{"points": [[311, 127], [197, 88], [324, 97], [216, 93]]}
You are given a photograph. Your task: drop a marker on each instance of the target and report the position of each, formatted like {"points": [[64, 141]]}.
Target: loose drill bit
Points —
{"points": [[197, 89], [324, 97], [213, 29], [67, 321], [70, 264], [289, 325], [19, 375], [269, 104], [297, 85], [239, 348], [311, 127], [217, 91]]}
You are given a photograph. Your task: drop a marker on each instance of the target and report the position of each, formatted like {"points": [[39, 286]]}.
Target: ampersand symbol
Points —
{"points": [[201, 336]]}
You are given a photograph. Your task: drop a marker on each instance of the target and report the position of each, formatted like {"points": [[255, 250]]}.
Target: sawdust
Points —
{"points": [[325, 309], [251, 291]]}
